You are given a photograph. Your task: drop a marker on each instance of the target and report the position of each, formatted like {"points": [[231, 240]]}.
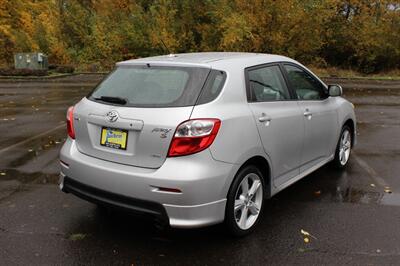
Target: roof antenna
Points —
{"points": [[166, 48]]}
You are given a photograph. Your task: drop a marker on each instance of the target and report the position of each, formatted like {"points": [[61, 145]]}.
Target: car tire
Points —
{"points": [[244, 209], [343, 148]]}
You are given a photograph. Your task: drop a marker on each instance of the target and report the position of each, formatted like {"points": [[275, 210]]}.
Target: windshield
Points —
{"points": [[152, 86]]}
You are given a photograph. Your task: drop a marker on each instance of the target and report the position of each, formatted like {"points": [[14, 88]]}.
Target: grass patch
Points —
{"points": [[49, 76], [333, 72]]}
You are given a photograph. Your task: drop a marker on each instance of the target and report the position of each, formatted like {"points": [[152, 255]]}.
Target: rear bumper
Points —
{"points": [[98, 196], [204, 184]]}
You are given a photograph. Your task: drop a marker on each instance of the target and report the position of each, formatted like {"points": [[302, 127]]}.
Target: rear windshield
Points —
{"points": [[153, 86]]}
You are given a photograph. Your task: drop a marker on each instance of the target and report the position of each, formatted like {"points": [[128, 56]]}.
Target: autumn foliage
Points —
{"points": [[362, 34]]}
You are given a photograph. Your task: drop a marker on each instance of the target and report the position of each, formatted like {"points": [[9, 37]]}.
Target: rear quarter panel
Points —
{"points": [[238, 138]]}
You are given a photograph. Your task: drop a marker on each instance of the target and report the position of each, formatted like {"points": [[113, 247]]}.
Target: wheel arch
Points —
{"points": [[263, 165], [350, 123]]}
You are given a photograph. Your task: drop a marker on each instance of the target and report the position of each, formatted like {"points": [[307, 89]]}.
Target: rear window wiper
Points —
{"points": [[111, 99]]}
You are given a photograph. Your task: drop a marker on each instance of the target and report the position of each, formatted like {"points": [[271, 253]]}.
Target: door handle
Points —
{"points": [[264, 118], [307, 114]]}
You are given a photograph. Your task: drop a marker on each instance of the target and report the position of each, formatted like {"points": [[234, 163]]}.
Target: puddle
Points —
{"points": [[392, 199], [350, 195], [35, 149], [328, 185], [14, 181], [31, 178]]}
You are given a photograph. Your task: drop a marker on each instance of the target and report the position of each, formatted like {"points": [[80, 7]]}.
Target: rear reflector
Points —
{"points": [[64, 163], [193, 136], [171, 190], [70, 122]]}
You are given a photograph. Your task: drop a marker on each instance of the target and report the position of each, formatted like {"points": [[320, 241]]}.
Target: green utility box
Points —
{"points": [[31, 61]]}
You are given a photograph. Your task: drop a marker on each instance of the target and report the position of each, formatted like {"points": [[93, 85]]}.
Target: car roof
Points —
{"points": [[209, 59]]}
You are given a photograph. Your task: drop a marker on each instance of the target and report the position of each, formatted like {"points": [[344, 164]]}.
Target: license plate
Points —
{"points": [[114, 138]]}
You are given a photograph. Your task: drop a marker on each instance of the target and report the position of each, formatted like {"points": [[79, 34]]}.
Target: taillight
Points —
{"points": [[70, 122], [193, 136]]}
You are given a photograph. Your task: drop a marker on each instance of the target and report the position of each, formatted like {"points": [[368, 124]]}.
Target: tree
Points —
{"points": [[347, 33]]}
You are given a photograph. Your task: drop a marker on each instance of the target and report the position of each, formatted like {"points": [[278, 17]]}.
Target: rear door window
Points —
{"points": [[154, 86], [266, 84]]}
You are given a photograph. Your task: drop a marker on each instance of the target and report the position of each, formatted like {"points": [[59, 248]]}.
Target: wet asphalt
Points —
{"points": [[352, 215]]}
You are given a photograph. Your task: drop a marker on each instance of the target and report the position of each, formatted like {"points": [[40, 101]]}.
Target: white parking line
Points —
{"points": [[372, 173], [30, 139]]}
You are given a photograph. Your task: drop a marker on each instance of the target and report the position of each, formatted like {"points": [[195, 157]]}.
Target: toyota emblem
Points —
{"points": [[112, 116]]}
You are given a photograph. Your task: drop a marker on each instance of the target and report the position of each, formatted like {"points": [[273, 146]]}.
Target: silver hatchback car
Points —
{"points": [[203, 138]]}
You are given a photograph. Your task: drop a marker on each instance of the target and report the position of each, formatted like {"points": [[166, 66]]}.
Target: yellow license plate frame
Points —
{"points": [[114, 138]]}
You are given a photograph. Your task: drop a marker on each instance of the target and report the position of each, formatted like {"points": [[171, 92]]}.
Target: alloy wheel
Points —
{"points": [[248, 201], [344, 147]]}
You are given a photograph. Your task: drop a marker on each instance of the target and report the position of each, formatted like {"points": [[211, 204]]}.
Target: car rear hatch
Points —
{"points": [[131, 117]]}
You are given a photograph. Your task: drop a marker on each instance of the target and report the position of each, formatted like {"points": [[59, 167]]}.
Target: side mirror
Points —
{"points": [[335, 90]]}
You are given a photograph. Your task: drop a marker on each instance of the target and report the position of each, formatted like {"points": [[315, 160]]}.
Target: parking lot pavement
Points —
{"points": [[353, 215]]}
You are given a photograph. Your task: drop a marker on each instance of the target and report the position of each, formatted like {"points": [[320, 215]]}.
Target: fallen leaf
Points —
{"points": [[75, 237], [306, 240], [304, 232]]}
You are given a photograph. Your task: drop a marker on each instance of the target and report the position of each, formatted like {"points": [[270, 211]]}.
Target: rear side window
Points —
{"points": [[213, 86], [267, 84], [153, 86]]}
